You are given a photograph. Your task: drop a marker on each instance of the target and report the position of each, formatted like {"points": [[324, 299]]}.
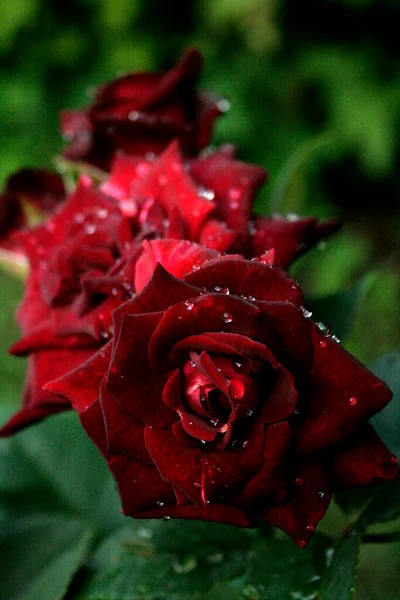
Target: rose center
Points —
{"points": [[220, 395]]}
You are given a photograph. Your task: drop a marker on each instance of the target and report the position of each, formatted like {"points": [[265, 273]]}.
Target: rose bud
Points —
{"points": [[141, 113], [218, 399]]}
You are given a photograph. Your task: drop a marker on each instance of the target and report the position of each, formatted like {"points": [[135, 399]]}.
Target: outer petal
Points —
{"points": [[341, 393], [290, 237], [81, 386], [270, 481], [140, 486], [131, 380], [307, 504], [251, 279], [363, 459], [39, 404]]}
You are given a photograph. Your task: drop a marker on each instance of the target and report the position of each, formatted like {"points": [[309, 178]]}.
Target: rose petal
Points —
{"points": [[131, 379], [341, 393], [251, 279], [363, 459], [213, 312], [81, 385], [309, 500]]}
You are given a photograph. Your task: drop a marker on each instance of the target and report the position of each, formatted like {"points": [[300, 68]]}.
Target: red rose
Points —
{"points": [[142, 113], [218, 399], [83, 259], [210, 200]]}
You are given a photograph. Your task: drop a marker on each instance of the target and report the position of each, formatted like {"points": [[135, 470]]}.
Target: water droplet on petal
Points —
{"points": [[322, 343], [159, 503], [133, 115], [310, 527], [227, 317], [206, 194], [298, 481], [189, 304], [306, 312], [353, 401], [221, 289], [102, 213], [321, 494], [166, 518], [90, 228], [394, 460], [79, 218]]}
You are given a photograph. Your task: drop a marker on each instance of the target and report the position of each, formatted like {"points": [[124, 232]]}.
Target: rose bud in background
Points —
{"points": [[141, 113]]}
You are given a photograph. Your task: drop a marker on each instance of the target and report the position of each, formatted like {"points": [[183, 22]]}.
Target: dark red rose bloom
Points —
{"points": [[143, 112], [39, 190], [218, 399]]}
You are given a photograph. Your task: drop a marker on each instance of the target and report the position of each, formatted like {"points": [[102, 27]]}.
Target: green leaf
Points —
{"points": [[55, 467], [40, 555], [340, 578], [278, 570], [128, 566]]}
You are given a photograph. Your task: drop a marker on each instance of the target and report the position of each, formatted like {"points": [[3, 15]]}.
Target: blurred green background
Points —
{"points": [[314, 88]]}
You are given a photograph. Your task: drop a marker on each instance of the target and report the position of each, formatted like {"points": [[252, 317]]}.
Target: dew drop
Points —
{"points": [[292, 217], [298, 481], [223, 105], [394, 460], [306, 312], [166, 518], [195, 267], [206, 194], [234, 194], [321, 494], [79, 218], [322, 343], [185, 565], [90, 228], [133, 115], [353, 401], [159, 503], [221, 289], [189, 304], [310, 527], [102, 213], [227, 317]]}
